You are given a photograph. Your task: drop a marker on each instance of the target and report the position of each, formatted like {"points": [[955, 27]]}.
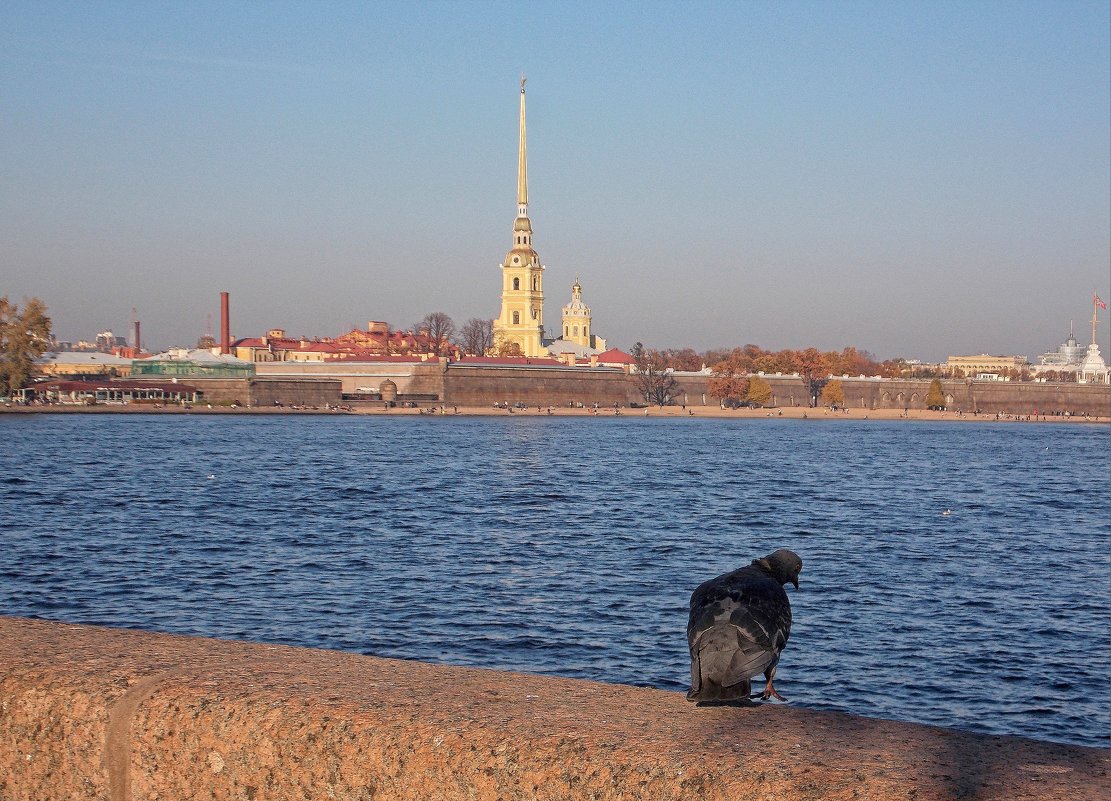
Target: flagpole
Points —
{"points": [[1095, 311]]}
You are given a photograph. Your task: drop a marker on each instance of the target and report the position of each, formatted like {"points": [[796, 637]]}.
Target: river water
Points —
{"points": [[570, 546]]}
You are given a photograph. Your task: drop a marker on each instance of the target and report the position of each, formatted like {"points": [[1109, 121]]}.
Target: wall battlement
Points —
{"points": [[119, 715]]}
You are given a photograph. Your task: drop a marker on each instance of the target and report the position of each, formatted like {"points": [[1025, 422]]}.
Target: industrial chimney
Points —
{"points": [[225, 324], [135, 343]]}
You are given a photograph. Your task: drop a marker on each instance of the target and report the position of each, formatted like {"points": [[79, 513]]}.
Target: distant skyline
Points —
{"points": [[912, 179]]}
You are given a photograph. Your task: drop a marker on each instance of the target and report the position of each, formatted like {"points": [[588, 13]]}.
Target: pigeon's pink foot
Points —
{"points": [[769, 692]]}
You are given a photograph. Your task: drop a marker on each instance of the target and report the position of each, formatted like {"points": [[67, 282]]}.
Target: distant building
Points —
{"points": [[376, 340], [106, 342], [1093, 370], [1085, 364], [81, 365], [983, 363], [577, 321], [576, 336], [276, 347], [1069, 354], [379, 340], [194, 363]]}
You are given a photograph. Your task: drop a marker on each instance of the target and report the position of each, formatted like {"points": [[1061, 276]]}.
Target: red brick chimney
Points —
{"points": [[225, 324]]}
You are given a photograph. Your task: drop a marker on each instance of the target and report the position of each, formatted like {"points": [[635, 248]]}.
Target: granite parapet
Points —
{"points": [[97, 713]]}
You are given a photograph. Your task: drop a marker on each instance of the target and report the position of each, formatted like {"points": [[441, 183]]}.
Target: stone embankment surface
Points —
{"points": [[97, 713]]}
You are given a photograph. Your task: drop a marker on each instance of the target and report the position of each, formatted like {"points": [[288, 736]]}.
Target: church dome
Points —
{"points": [[521, 255]]}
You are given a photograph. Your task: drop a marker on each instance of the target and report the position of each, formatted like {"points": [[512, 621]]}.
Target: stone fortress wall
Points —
{"points": [[460, 384], [552, 386]]}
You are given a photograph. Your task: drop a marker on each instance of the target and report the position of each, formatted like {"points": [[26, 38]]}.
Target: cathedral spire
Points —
{"points": [[522, 165], [520, 325]]}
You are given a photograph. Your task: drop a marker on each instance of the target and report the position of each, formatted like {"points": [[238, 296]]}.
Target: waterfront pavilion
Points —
{"points": [[89, 392]]}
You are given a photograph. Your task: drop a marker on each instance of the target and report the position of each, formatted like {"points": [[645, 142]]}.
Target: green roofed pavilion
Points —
{"points": [[198, 363]]}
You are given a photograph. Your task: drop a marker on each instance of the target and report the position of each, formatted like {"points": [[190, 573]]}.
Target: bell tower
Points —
{"points": [[521, 320], [576, 318]]}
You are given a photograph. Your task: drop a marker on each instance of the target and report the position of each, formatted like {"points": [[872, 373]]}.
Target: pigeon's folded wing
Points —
{"points": [[738, 626]]}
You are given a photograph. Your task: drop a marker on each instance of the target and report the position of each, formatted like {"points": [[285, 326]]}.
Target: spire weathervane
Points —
{"points": [[522, 165], [1097, 304]]}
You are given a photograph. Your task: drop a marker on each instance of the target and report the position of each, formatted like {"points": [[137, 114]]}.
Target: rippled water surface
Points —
{"points": [[571, 546]]}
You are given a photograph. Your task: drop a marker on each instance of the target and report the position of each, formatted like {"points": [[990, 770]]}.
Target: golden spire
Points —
{"points": [[522, 169]]}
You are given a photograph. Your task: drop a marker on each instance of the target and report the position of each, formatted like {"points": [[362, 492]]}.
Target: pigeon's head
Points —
{"points": [[783, 565]]}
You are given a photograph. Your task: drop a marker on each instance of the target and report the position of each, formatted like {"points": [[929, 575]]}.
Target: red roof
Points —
{"points": [[371, 356], [615, 356], [476, 360]]}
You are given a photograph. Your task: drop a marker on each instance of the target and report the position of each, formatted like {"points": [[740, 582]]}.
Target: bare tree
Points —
{"points": [[439, 328], [478, 336], [655, 381]]}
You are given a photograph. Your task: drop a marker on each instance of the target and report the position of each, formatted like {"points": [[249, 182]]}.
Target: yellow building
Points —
{"points": [[521, 321], [983, 363], [81, 365], [576, 318]]}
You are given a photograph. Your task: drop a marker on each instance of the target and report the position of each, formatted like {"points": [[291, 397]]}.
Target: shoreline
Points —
{"points": [[782, 413]]}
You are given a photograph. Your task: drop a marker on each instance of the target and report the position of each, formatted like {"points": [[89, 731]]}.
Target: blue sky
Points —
{"points": [[914, 179]]}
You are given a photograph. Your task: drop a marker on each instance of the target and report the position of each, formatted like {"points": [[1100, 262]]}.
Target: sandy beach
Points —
{"points": [[787, 412]]}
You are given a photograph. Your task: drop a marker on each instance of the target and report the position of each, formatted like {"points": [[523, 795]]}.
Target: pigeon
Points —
{"points": [[739, 624]]}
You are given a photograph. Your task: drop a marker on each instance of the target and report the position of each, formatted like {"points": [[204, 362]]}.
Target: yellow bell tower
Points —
{"points": [[576, 318], [521, 320]]}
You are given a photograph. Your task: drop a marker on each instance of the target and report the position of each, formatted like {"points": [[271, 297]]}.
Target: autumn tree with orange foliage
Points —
{"points": [[813, 368], [730, 381]]}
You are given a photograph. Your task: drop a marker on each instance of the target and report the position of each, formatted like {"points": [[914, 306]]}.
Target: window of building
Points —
{"points": [[576, 330], [516, 283], [516, 315]]}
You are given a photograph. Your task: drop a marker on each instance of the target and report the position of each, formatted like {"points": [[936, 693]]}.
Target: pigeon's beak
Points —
{"points": [[795, 581]]}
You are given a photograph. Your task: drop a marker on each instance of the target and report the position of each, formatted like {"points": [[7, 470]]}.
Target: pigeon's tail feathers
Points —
{"points": [[724, 659], [713, 692]]}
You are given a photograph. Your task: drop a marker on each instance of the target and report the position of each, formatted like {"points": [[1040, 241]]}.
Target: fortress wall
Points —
{"points": [[357, 377], [540, 386], [460, 385], [119, 715], [266, 391], [295, 391], [989, 397]]}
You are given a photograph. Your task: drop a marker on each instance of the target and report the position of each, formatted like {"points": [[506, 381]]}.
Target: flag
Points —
{"points": [[1099, 302]]}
